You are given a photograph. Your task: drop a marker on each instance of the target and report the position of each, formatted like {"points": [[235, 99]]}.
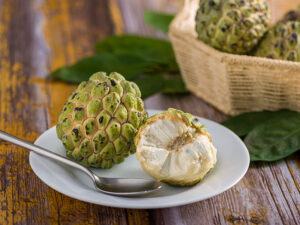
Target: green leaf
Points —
{"points": [[174, 85], [159, 21], [244, 123], [126, 64], [150, 84], [156, 51], [137, 58], [274, 139]]}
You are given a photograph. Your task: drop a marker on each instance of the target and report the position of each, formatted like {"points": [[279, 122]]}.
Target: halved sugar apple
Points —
{"points": [[98, 123], [175, 148]]}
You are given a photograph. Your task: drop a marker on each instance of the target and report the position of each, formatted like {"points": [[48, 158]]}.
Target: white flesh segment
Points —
{"points": [[192, 160], [154, 157], [162, 132]]}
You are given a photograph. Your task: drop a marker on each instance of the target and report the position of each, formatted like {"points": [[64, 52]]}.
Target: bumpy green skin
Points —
{"points": [[281, 42], [233, 26], [98, 123]]}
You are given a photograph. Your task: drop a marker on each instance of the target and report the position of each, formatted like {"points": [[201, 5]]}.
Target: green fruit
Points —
{"points": [[233, 26], [98, 123], [281, 42]]}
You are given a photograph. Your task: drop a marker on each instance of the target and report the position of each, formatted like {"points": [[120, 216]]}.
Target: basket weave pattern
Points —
{"points": [[232, 83]]}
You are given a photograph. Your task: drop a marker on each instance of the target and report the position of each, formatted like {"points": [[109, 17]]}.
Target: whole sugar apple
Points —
{"points": [[281, 42], [233, 26], [98, 123], [175, 148]]}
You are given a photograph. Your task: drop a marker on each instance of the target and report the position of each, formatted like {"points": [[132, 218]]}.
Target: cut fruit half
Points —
{"points": [[175, 148]]}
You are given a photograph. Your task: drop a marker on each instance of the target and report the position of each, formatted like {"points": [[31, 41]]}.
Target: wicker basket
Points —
{"points": [[232, 83]]}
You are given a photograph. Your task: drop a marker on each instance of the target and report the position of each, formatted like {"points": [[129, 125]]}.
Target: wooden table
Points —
{"points": [[37, 36]]}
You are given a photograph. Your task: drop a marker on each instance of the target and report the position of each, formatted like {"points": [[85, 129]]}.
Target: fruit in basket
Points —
{"points": [[98, 123], [233, 26], [174, 147], [281, 42]]}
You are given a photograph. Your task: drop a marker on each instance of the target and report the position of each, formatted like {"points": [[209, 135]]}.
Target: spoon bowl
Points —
{"points": [[112, 186], [126, 186]]}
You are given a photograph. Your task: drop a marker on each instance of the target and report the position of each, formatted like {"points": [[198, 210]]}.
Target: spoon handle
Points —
{"points": [[44, 152]]}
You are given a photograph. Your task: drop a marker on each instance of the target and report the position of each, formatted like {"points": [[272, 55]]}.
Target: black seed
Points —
{"points": [[113, 83], [116, 125], [65, 109], [78, 109], [223, 29], [105, 84], [139, 114], [294, 38], [293, 26], [212, 3], [76, 132], [101, 119], [65, 119], [74, 95]]}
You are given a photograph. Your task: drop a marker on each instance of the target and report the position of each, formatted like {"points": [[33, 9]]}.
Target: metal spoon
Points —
{"points": [[111, 186]]}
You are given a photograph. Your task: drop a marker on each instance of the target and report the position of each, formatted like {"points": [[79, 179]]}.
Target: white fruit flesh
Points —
{"points": [[170, 150]]}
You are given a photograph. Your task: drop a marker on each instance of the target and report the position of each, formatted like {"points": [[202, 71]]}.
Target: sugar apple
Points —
{"points": [[98, 123], [281, 42], [233, 26], [175, 148]]}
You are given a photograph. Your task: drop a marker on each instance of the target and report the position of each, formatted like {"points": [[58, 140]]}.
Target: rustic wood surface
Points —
{"points": [[37, 36]]}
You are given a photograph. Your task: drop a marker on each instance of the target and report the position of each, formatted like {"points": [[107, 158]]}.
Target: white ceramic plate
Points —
{"points": [[232, 164]]}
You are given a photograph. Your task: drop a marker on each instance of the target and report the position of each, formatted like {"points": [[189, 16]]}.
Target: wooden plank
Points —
{"points": [[269, 193], [42, 36], [21, 112]]}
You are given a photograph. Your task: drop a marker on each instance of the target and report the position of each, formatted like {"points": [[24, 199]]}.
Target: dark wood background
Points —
{"points": [[38, 36]]}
